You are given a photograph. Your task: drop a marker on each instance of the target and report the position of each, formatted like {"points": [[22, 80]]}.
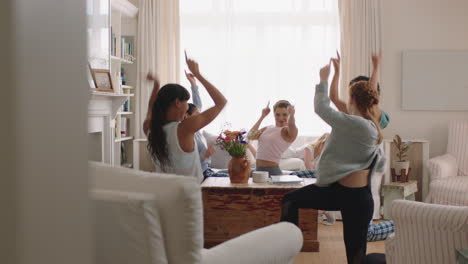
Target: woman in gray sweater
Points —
{"points": [[349, 157]]}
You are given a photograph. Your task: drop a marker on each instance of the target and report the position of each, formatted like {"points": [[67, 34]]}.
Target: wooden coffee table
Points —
{"points": [[231, 210]]}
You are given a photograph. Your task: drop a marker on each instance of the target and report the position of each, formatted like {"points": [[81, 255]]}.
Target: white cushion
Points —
{"points": [[292, 164], [220, 159], [442, 167], [126, 225]]}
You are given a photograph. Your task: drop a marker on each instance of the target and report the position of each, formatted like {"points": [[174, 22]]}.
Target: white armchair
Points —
{"points": [[426, 233], [449, 172], [149, 218]]}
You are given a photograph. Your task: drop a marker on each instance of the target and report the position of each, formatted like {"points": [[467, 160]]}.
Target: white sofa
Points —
{"points": [[220, 158], [149, 218], [426, 233]]}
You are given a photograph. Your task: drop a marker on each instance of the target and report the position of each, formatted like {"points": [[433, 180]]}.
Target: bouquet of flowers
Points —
{"points": [[234, 142]]}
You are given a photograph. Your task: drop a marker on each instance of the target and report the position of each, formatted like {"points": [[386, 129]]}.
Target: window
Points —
{"points": [[257, 51]]}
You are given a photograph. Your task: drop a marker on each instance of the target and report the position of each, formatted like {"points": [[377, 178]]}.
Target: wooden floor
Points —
{"points": [[332, 248]]}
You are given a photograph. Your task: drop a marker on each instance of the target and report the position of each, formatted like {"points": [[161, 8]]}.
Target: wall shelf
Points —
{"points": [[125, 113], [116, 99], [97, 93], [123, 139], [121, 60]]}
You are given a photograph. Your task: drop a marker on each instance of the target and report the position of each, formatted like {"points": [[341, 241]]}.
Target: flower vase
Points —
{"points": [[239, 170]]}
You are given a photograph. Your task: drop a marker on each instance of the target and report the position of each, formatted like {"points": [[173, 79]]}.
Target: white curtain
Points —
{"points": [[257, 51], [361, 35], [158, 50]]}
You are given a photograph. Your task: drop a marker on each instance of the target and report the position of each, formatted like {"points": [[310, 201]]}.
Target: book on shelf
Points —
{"points": [[113, 43], [124, 127], [117, 129], [123, 154], [127, 48], [126, 106]]}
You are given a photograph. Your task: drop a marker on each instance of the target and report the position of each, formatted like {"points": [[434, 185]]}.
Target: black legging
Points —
{"points": [[356, 206]]}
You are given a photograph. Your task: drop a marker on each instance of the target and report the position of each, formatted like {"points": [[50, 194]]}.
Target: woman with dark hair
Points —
{"points": [[171, 138], [348, 160]]}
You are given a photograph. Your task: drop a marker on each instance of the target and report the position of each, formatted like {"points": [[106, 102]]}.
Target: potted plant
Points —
{"points": [[401, 163], [234, 143]]}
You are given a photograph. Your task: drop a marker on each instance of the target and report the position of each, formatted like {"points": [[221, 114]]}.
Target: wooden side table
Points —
{"points": [[398, 190], [231, 210], [418, 155]]}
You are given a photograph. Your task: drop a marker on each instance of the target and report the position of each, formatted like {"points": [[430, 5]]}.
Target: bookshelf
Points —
{"points": [[123, 71]]}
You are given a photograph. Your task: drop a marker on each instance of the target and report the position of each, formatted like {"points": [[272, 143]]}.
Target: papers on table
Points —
{"points": [[285, 179]]}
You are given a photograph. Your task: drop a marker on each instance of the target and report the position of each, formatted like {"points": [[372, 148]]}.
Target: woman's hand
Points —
{"points": [[336, 62], [151, 77], [192, 65], [266, 110], [376, 59], [325, 73], [291, 110], [191, 78]]}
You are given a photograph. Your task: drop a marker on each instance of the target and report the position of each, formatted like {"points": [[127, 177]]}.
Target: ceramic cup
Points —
{"points": [[260, 176]]}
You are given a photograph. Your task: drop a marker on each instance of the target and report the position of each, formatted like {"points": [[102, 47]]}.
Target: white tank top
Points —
{"points": [[182, 163], [271, 144]]}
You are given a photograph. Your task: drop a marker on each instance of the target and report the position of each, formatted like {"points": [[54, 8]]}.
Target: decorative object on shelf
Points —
{"points": [[234, 143], [103, 80], [401, 169], [122, 75]]}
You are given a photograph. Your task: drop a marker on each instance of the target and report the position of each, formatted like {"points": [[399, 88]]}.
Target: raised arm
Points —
{"points": [[322, 102], [334, 96], [195, 94], [376, 60], [254, 133], [195, 123], [252, 150], [154, 95], [291, 131]]}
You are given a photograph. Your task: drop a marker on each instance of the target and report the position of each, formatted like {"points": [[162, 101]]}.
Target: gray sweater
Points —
{"points": [[351, 146]]}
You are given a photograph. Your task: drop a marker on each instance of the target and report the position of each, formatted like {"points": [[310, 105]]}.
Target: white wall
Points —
{"points": [[419, 25], [44, 177]]}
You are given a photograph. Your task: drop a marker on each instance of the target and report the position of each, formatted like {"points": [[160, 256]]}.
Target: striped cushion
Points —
{"points": [[449, 191]]}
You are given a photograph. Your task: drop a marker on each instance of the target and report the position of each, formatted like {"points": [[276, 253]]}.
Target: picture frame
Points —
{"points": [[103, 80]]}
